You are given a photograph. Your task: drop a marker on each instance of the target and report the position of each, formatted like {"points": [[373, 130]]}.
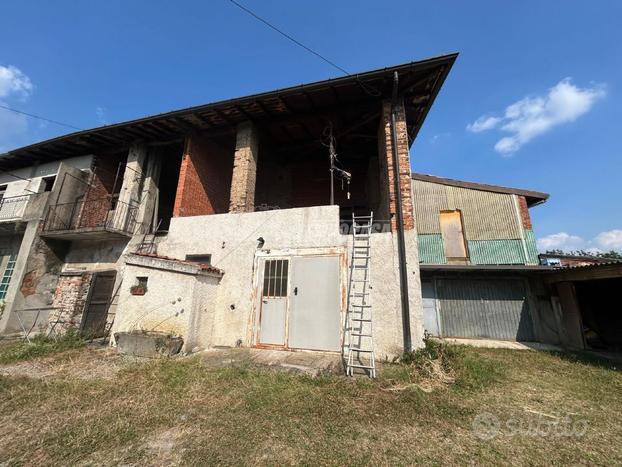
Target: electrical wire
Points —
{"points": [[367, 88], [56, 122]]}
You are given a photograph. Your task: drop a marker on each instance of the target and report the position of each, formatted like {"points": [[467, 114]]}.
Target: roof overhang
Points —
{"points": [[292, 115], [533, 197], [468, 268]]}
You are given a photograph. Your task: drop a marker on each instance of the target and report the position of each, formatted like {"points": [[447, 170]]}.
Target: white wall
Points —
{"points": [[17, 186], [231, 239]]}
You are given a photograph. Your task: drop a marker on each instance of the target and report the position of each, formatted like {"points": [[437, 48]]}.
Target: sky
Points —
{"points": [[534, 100]]}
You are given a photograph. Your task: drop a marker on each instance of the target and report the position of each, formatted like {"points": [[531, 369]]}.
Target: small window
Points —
{"points": [[48, 183], [2, 191], [142, 282], [275, 278], [203, 259]]}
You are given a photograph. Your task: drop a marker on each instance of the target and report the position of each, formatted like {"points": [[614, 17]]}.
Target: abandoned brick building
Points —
{"points": [[231, 224]]}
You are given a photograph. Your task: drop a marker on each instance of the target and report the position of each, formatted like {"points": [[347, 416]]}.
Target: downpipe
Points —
{"points": [[401, 242]]}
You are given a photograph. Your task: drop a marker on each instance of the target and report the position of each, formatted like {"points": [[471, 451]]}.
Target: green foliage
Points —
{"points": [[612, 254], [41, 345]]}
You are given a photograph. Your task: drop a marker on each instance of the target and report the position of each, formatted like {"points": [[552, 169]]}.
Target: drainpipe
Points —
{"points": [[401, 243]]}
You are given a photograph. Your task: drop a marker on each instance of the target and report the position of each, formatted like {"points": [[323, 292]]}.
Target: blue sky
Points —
{"points": [[560, 63]]}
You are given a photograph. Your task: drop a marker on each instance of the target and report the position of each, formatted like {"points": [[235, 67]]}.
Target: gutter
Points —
{"points": [[401, 243]]}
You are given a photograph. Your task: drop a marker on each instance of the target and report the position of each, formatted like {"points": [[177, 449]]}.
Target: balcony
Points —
{"points": [[12, 208], [97, 219]]}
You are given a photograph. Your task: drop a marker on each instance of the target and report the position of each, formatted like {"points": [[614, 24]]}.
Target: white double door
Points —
{"points": [[300, 302]]}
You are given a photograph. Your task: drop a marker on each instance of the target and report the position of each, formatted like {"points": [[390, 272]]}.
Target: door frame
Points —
{"points": [[89, 294], [290, 253]]}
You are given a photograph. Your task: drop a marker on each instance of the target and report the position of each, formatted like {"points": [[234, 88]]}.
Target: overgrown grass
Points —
{"points": [[180, 412], [39, 346]]}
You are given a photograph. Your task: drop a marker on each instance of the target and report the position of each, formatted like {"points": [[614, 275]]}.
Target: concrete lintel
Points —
{"points": [[171, 265]]}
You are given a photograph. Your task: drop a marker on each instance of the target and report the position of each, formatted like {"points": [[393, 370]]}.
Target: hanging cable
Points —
{"points": [[328, 140], [365, 87], [39, 117]]}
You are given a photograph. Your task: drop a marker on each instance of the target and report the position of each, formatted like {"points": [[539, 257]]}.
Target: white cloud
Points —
{"points": [[100, 112], [13, 126], [484, 123], [604, 241], [561, 241], [14, 83], [533, 116], [610, 240]]}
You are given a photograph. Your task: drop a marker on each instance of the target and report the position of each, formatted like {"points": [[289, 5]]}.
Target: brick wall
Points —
{"points": [[524, 213], [97, 199], [386, 164], [204, 179], [69, 301]]}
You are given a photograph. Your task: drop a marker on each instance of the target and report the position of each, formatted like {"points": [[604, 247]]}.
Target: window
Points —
{"points": [[6, 278], [48, 183], [203, 259], [2, 191], [453, 235], [142, 281], [275, 278]]}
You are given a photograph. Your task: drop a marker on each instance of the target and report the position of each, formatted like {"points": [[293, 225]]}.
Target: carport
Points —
{"points": [[588, 298]]}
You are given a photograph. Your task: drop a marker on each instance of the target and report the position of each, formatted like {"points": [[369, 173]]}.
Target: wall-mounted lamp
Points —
{"points": [[260, 242]]}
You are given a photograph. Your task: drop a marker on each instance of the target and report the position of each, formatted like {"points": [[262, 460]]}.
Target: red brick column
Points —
{"points": [[524, 212], [386, 164]]}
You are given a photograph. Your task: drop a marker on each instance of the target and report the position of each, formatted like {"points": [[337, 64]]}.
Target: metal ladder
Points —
{"points": [[359, 325]]}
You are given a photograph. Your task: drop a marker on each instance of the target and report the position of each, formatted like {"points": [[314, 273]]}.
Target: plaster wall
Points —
{"points": [[175, 303], [231, 239]]}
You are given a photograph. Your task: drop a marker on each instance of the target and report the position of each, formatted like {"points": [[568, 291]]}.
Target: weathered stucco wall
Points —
{"points": [[231, 239], [175, 302]]}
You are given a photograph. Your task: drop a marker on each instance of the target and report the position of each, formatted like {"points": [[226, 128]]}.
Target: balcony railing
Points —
{"points": [[98, 214], [13, 207]]}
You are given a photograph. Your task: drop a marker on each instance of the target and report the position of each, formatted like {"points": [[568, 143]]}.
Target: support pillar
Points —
{"points": [[242, 198], [388, 208]]}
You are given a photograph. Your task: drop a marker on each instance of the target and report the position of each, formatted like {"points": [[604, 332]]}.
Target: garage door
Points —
{"points": [[494, 309]]}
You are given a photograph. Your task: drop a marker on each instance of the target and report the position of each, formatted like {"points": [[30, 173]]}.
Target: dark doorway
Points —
{"points": [[167, 186], [98, 303]]}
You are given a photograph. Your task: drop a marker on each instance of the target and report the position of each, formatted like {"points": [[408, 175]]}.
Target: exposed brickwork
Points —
{"points": [[524, 213], [69, 301], [244, 177], [98, 196], [386, 165], [204, 179]]}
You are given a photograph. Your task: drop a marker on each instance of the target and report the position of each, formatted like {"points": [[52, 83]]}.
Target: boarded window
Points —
{"points": [[453, 235], [275, 278]]}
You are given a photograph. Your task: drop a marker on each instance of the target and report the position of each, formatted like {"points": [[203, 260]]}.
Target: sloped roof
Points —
{"points": [[532, 197], [350, 101]]}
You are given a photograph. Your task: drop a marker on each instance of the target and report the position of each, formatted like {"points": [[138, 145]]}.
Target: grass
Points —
{"points": [[39, 346], [423, 412]]}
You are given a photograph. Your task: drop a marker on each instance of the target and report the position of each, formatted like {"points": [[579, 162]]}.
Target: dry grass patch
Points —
{"points": [[180, 412]]}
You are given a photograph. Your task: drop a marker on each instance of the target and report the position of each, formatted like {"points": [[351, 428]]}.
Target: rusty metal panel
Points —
{"points": [[429, 200], [453, 235], [487, 216], [485, 308]]}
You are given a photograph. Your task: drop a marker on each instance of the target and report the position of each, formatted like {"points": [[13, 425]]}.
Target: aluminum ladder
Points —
{"points": [[359, 324]]}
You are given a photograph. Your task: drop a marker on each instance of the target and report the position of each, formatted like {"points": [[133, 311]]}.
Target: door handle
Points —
{"points": [[295, 290]]}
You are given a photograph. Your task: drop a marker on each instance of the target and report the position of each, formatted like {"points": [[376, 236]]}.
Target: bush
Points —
{"points": [[41, 345]]}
